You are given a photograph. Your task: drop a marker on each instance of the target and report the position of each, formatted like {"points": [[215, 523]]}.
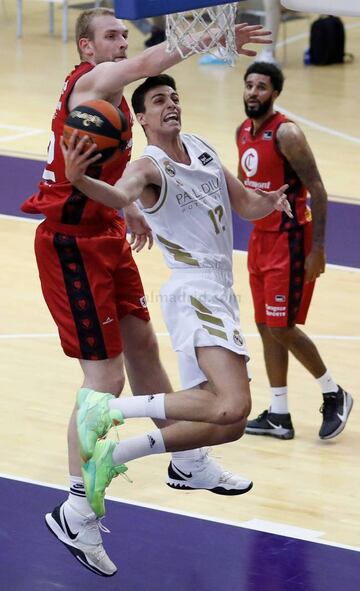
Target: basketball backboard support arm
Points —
{"points": [[137, 9]]}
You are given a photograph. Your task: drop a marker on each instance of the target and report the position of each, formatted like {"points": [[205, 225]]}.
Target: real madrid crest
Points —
{"points": [[238, 340], [169, 168]]}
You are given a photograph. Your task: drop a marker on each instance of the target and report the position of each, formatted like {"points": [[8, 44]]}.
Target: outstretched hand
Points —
{"points": [[78, 156], [245, 33], [140, 231], [278, 199]]}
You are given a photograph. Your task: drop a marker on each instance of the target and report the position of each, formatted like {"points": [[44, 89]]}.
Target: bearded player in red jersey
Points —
{"points": [[285, 255], [89, 279]]}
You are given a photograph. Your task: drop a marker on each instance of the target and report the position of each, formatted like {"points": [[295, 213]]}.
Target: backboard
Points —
{"points": [[137, 9]]}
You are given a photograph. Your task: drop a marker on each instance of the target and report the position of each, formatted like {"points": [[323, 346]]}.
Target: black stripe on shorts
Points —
{"points": [[297, 272], [91, 341]]}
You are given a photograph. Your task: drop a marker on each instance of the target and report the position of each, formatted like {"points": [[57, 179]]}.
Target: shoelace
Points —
{"points": [[126, 477], [204, 453], [226, 475], [102, 527], [262, 415], [207, 452], [115, 472], [98, 422], [92, 527], [328, 407]]}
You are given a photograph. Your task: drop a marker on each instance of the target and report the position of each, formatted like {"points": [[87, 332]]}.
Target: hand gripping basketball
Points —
{"points": [[104, 124]]}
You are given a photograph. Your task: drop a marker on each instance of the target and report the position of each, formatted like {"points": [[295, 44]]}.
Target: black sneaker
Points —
{"points": [[273, 424], [81, 535], [335, 410]]}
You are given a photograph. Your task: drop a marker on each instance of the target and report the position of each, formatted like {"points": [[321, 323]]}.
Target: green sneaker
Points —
{"points": [[98, 472], [94, 419], [82, 395]]}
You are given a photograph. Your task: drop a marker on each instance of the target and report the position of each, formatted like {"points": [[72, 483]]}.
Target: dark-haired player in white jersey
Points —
{"points": [[88, 277], [186, 196]]}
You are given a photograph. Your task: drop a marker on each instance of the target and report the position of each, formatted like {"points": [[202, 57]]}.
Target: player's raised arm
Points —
{"points": [[109, 78], [254, 205], [136, 177]]}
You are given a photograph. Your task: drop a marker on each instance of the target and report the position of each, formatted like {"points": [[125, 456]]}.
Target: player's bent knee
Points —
{"points": [[233, 413]]}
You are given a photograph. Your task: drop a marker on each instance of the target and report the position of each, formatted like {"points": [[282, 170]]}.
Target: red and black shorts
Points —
{"points": [[277, 276], [89, 283]]}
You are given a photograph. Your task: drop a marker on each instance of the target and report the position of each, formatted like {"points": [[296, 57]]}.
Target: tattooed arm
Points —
{"points": [[294, 147]]}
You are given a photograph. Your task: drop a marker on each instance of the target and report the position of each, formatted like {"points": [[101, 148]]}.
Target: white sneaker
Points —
{"points": [[266, 56], [204, 473], [81, 535]]}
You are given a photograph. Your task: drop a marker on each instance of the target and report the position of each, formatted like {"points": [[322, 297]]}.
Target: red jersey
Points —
{"points": [[264, 167], [57, 199]]}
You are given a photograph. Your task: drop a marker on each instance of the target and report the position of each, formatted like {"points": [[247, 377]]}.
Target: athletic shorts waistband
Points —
{"points": [[78, 230]]}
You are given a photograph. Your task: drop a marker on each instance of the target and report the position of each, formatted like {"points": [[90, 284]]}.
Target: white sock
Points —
{"points": [[77, 497], [137, 447], [188, 455], [327, 384], [152, 406], [279, 400]]}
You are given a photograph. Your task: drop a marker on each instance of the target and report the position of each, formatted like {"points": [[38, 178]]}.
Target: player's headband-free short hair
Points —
{"points": [[84, 23], [267, 69], [138, 97]]}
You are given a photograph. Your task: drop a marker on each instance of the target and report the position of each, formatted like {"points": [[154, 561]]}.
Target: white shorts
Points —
{"points": [[201, 310]]}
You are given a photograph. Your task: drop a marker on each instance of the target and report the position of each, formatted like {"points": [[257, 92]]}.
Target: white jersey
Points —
{"points": [[191, 221]]}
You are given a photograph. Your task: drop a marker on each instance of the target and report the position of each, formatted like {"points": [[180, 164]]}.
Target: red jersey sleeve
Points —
{"points": [[56, 198]]}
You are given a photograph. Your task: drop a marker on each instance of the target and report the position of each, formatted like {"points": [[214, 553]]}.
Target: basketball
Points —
{"points": [[102, 122]]}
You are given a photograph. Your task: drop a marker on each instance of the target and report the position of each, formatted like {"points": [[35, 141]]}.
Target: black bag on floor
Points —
{"points": [[327, 41]]}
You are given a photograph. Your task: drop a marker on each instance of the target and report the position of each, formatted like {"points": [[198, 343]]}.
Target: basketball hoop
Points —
{"points": [[333, 7], [192, 26], [204, 30]]}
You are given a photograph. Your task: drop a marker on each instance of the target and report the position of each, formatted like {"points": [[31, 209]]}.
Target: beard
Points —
{"points": [[259, 111]]}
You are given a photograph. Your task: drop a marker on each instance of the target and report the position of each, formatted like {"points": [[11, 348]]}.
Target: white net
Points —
{"points": [[206, 30]]}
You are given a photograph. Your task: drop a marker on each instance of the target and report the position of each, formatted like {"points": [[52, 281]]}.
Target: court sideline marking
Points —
{"points": [[26, 131], [271, 527], [19, 218], [318, 127]]}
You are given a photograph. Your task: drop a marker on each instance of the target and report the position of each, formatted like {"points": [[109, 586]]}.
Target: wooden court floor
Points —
{"points": [[304, 483]]}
